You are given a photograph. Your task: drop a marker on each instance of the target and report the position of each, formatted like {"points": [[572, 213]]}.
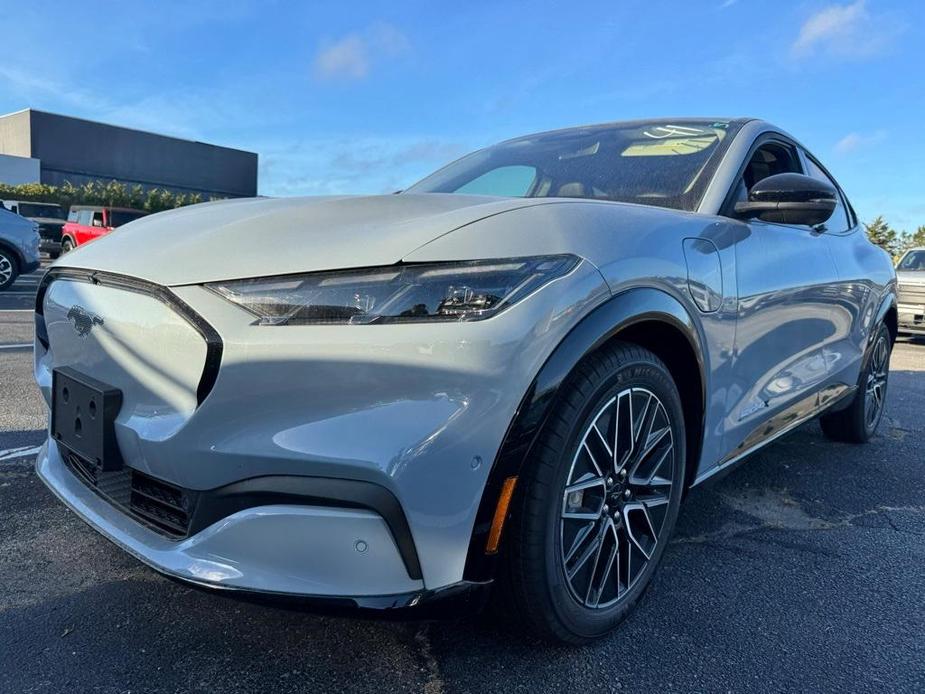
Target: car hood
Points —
{"points": [[256, 237], [47, 221], [916, 277]]}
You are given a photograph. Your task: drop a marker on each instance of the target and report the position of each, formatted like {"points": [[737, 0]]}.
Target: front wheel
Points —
{"points": [[596, 507], [858, 422], [8, 269]]}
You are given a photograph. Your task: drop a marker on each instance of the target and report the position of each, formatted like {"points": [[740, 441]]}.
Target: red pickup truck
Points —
{"points": [[88, 222]]}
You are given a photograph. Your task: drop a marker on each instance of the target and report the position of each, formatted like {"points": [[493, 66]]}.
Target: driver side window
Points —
{"points": [[769, 159]]}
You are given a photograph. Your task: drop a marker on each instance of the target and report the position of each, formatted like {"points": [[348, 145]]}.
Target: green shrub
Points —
{"points": [[113, 193]]}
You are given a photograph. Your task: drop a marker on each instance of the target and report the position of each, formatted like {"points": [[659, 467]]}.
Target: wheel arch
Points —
{"points": [[888, 315], [649, 317]]}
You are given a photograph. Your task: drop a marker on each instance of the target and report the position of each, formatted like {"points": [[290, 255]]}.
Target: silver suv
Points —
{"points": [[910, 280]]}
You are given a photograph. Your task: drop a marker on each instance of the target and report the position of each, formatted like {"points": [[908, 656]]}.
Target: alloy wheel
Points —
{"points": [[875, 391], [617, 497], [6, 269]]}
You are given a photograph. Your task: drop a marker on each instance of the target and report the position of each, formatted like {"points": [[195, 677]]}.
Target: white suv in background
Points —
{"points": [[910, 290]]}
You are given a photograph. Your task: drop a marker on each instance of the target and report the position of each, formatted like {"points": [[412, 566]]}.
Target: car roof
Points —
{"points": [[106, 207], [32, 202]]}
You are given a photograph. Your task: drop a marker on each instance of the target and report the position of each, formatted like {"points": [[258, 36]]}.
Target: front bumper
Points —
{"points": [[419, 411], [50, 246], [911, 318], [293, 549]]}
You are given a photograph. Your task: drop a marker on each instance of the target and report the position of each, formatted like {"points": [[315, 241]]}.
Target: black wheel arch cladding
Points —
{"points": [[645, 316]]}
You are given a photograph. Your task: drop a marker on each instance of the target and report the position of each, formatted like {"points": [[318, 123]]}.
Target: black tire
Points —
{"points": [[858, 422], [537, 577], [66, 246], [9, 269]]}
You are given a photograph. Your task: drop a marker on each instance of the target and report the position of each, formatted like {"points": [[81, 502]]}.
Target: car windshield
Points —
{"points": [[119, 217], [913, 260], [28, 209], [665, 163]]}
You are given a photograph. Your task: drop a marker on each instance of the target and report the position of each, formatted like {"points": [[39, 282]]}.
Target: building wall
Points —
{"points": [[14, 134], [75, 150], [16, 170]]}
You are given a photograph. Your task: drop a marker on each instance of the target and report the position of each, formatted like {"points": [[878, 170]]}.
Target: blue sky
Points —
{"points": [[370, 96]]}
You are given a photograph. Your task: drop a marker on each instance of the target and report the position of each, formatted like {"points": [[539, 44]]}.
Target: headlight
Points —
{"points": [[465, 291]]}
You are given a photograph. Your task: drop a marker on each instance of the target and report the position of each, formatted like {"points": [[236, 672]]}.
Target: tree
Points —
{"points": [[881, 234], [915, 240]]}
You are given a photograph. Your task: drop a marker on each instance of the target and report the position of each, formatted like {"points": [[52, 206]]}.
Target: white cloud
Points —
{"points": [[351, 56], [846, 31], [854, 141], [344, 58]]}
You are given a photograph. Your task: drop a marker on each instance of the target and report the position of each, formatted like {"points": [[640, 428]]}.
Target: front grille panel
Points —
{"points": [[50, 232], [159, 505], [910, 294]]}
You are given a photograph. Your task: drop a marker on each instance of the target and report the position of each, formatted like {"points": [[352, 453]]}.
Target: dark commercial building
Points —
{"points": [[77, 150]]}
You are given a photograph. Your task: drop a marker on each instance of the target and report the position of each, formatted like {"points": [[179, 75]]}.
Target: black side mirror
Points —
{"points": [[790, 198]]}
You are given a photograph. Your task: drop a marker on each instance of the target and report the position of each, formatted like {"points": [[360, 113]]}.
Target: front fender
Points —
{"points": [[604, 323]]}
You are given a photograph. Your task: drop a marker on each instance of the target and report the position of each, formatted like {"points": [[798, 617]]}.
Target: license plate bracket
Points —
{"points": [[83, 415]]}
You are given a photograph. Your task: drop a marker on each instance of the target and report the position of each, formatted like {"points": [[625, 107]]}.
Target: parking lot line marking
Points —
{"points": [[20, 346], [21, 452]]}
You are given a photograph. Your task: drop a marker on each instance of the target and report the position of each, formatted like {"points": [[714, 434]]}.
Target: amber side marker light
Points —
{"points": [[497, 523]]}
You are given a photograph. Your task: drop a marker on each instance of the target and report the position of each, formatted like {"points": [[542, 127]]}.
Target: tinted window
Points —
{"points": [[97, 219], [769, 159], [913, 260], [667, 164], [119, 217], [28, 209], [839, 219], [84, 217]]}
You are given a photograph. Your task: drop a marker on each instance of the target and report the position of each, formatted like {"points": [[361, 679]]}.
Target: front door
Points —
{"points": [[787, 313]]}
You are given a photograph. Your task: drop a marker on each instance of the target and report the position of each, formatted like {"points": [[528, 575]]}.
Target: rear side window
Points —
{"points": [[840, 220], [84, 217], [72, 216]]}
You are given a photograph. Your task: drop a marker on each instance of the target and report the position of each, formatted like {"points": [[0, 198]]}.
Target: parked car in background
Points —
{"points": [[910, 290], [512, 371], [19, 247], [49, 216], [88, 222]]}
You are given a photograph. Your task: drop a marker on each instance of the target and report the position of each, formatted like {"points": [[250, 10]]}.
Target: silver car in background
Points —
{"points": [[910, 283], [507, 375]]}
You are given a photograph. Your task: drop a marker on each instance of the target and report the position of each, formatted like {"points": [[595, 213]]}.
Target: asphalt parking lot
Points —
{"points": [[804, 570]]}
